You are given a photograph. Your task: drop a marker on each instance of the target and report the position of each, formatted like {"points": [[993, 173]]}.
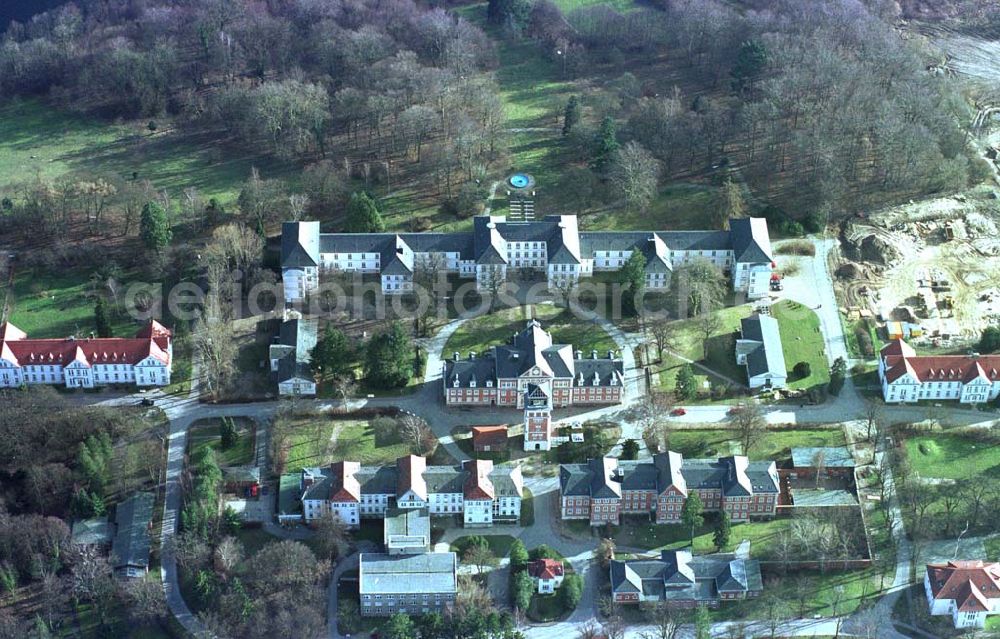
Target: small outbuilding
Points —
{"points": [[831, 461], [97, 531], [130, 549], [489, 439]]}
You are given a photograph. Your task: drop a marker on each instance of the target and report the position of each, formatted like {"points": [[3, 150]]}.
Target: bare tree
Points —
{"points": [[666, 623], [635, 172], [589, 630], [873, 420], [228, 554], [413, 430], [749, 424], [146, 602], [605, 551], [331, 537], [818, 462], [480, 556], [663, 334], [708, 325]]}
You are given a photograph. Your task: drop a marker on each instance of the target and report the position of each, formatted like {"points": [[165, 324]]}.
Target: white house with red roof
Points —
{"points": [[966, 590], [143, 360], [908, 377], [547, 574]]}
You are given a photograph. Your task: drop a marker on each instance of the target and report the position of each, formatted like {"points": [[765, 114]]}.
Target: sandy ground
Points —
{"points": [[914, 240]]}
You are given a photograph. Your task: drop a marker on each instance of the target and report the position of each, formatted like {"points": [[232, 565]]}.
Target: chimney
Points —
{"points": [[593, 354], [611, 354], [456, 356], [472, 354]]}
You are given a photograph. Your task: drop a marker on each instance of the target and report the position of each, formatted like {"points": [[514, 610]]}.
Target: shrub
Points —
{"points": [[543, 552], [802, 370], [572, 591], [798, 247], [865, 344]]}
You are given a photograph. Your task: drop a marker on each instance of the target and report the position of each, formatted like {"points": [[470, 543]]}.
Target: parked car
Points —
{"points": [[735, 410], [677, 412], [145, 401]]}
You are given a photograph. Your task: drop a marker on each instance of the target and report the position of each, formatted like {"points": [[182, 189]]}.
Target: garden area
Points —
{"points": [[316, 440], [479, 335], [773, 444], [524, 589], [802, 341], [231, 438]]}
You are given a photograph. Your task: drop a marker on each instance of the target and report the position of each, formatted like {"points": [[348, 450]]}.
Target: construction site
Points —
{"points": [[928, 272]]}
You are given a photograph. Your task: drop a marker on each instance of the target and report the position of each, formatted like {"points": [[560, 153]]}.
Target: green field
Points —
{"points": [[55, 304], [480, 334], [773, 445], [318, 441], [945, 456], [687, 341], [206, 432], [802, 341], [36, 139]]}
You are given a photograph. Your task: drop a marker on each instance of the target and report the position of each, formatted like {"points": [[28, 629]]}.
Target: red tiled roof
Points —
{"points": [[489, 435], [343, 485], [900, 360], [477, 483], [411, 476], [971, 584], [545, 568], [152, 341]]}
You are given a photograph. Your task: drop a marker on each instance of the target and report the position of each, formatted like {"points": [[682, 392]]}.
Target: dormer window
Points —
{"points": [[455, 382], [489, 383], [472, 383]]}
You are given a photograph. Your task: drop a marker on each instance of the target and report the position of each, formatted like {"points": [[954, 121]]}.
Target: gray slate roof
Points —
{"points": [[407, 527], [91, 532], [733, 476], [768, 356], [298, 336], [679, 576], [751, 242], [384, 480], [408, 574], [131, 543], [300, 244]]}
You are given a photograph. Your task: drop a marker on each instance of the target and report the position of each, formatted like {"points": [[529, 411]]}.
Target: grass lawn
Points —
{"points": [[809, 594], [480, 334], [636, 532], [499, 545], [528, 508], [946, 456], [773, 444], [678, 206], [688, 341], [50, 304], [317, 441], [36, 139], [206, 432], [802, 341], [570, 5]]}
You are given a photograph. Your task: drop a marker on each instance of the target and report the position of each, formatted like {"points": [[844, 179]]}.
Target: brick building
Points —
{"points": [[683, 581], [602, 490]]}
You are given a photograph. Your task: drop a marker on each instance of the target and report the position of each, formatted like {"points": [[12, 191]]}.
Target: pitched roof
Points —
{"points": [[10, 332], [298, 337], [153, 340], [971, 584], [344, 486], [545, 568], [299, 244], [899, 360], [768, 356], [411, 476], [477, 480], [833, 456], [679, 576], [131, 544], [489, 435], [751, 242]]}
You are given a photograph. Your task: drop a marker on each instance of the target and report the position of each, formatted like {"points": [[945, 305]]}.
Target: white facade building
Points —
{"points": [[477, 491], [907, 377], [554, 246], [967, 591], [144, 360]]}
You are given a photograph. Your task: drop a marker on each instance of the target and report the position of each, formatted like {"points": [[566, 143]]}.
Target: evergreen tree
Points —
{"points": [[750, 62], [572, 591], [632, 277], [332, 354], [521, 589], [229, 434], [692, 513], [388, 358], [101, 320], [605, 146], [154, 227], [630, 449], [363, 215], [989, 341], [518, 554], [685, 385], [723, 531], [571, 115], [732, 206]]}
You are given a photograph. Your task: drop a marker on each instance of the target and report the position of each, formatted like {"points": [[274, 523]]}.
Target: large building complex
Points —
{"points": [[683, 581], [476, 491], [908, 377], [602, 490], [143, 360], [495, 247]]}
